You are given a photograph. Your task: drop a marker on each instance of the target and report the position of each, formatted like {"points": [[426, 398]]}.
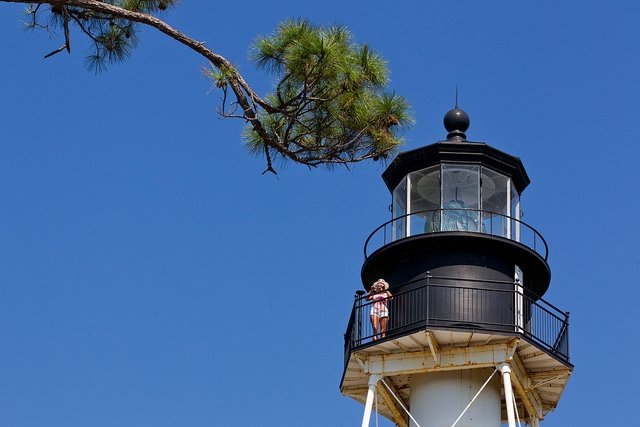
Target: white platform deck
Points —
{"points": [[538, 378]]}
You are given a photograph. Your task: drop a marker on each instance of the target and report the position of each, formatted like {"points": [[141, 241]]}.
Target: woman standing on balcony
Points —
{"points": [[380, 295]]}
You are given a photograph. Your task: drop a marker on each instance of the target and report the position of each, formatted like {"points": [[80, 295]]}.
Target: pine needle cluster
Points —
{"points": [[329, 105], [112, 37]]}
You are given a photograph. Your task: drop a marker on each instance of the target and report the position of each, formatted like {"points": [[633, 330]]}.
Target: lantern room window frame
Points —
{"points": [[473, 203]]}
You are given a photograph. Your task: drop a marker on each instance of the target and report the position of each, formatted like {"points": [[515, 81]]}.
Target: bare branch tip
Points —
{"points": [[58, 50], [270, 169]]}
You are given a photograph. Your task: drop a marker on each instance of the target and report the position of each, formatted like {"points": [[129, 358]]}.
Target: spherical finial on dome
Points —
{"points": [[456, 122]]}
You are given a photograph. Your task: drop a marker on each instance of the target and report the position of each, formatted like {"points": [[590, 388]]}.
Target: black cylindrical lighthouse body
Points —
{"points": [[456, 223]]}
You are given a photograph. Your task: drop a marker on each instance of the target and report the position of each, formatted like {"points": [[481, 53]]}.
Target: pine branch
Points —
{"points": [[328, 107]]}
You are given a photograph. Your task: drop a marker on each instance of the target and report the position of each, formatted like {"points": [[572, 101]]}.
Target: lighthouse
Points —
{"points": [[467, 337]]}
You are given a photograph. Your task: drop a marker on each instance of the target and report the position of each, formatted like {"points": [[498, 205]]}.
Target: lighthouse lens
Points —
{"points": [[460, 197], [495, 189]]}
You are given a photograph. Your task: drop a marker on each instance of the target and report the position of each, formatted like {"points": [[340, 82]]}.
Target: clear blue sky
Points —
{"points": [[151, 276]]}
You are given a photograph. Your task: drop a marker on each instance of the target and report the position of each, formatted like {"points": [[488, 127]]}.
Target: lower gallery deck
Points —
{"points": [[538, 378]]}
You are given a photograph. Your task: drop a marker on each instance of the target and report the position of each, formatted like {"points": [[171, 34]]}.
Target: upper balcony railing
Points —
{"points": [[456, 219], [453, 303]]}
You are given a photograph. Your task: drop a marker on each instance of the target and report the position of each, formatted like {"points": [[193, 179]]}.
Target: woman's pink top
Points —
{"points": [[380, 301]]}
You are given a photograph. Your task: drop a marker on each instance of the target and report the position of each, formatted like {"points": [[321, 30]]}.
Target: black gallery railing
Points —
{"points": [[456, 219], [452, 303]]}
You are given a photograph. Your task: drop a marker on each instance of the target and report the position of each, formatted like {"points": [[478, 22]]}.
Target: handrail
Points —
{"points": [[480, 228], [429, 303], [529, 292]]}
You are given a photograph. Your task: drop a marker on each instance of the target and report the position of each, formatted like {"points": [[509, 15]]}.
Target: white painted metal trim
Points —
{"points": [[519, 299], [434, 347], [518, 215], [373, 380], [508, 393], [451, 358], [509, 193]]}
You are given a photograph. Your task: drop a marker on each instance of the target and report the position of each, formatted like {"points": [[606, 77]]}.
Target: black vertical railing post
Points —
{"points": [[357, 310], [515, 301], [428, 298], [359, 326], [567, 341], [566, 332]]}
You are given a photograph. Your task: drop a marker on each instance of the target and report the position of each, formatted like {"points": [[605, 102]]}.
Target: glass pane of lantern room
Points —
{"points": [[515, 214], [460, 197], [398, 230], [494, 190], [425, 200]]}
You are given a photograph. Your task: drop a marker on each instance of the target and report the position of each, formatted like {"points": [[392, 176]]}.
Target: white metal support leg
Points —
{"points": [[505, 369], [373, 381], [534, 421]]}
